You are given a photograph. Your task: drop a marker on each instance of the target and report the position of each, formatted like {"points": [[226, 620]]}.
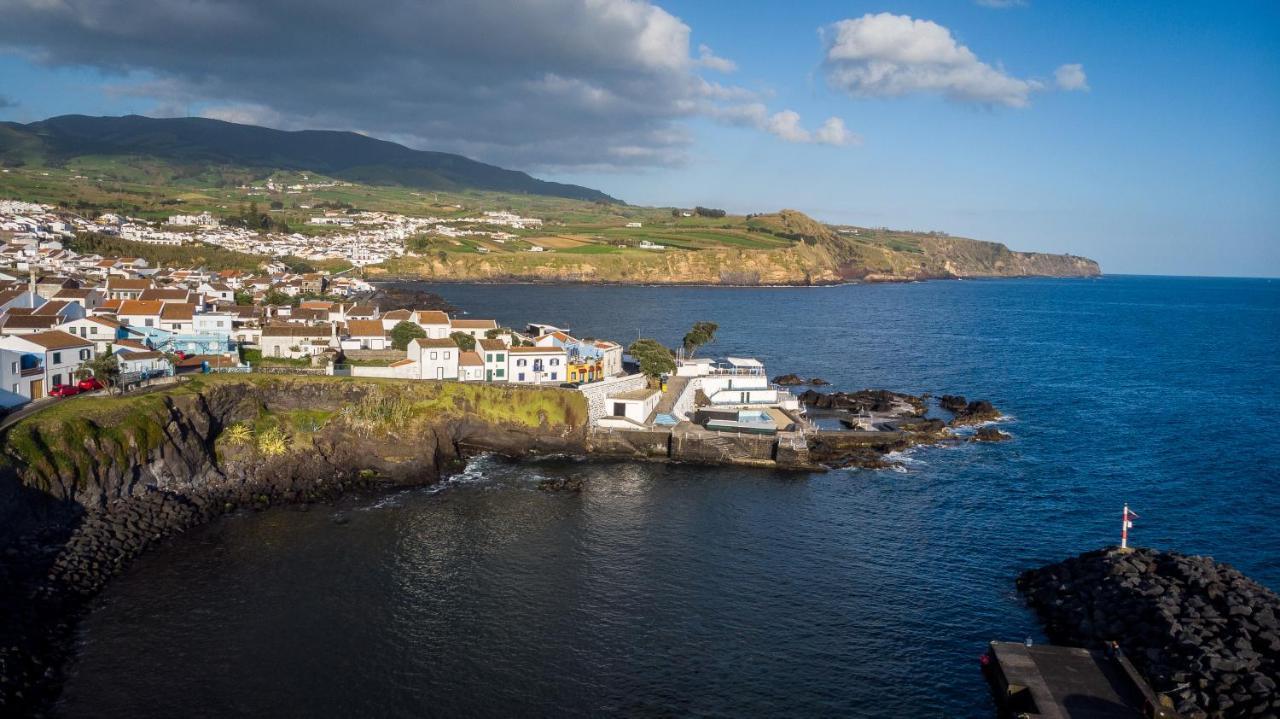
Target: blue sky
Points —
{"points": [[1168, 163]]}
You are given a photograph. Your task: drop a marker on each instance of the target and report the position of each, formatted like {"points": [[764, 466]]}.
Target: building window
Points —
{"points": [[149, 323], [520, 363], [13, 368], [447, 354], [84, 354], [57, 380], [499, 358], [499, 372], [57, 358], [553, 375], [520, 377], [433, 355], [553, 363]]}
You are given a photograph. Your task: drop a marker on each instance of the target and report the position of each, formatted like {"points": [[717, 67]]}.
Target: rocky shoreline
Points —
{"points": [[1200, 631], [81, 498], [74, 511]]}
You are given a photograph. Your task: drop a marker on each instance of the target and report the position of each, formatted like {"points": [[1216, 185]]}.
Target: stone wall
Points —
{"points": [[374, 354], [629, 444], [597, 392], [685, 402]]}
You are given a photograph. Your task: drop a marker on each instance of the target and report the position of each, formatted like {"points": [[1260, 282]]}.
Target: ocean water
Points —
{"points": [[690, 591]]}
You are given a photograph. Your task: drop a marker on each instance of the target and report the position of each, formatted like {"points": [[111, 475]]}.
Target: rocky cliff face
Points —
{"points": [[95, 482], [801, 264]]}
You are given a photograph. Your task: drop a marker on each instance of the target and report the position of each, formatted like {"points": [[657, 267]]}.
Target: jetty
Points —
{"points": [[1069, 683]]}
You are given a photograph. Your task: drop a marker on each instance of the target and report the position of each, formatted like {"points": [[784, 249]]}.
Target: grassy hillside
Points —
{"points": [[195, 145], [586, 241]]}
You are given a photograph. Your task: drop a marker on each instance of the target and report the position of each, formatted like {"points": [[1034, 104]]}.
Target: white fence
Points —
{"points": [[597, 392]]}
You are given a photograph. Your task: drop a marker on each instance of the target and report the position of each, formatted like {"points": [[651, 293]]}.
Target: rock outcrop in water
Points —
{"points": [[1201, 631], [87, 485]]}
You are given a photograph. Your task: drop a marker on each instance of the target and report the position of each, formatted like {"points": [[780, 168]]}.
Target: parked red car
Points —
{"points": [[64, 390], [89, 384]]}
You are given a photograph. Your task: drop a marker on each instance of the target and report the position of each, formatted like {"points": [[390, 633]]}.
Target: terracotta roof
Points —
{"points": [[10, 295], [57, 340], [471, 359], [30, 322], [476, 324], [121, 283], [171, 294], [316, 305], [52, 307], [432, 317], [131, 344], [177, 311], [444, 343], [534, 350], [365, 328], [140, 307], [149, 354], [79, 293], [397, 315], [492, 345]]}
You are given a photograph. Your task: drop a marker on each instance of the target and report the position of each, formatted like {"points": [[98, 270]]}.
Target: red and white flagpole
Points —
{"points": [[1125, 523]]}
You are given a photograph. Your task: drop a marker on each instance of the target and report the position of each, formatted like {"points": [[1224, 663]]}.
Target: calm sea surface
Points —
{"points": [[671, 591]]}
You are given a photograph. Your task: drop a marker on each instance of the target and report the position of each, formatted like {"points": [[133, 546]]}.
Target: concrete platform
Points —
{"points": [[1068, 683]]}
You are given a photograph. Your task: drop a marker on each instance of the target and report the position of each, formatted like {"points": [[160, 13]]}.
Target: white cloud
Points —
{"points": [[709, 60], [888, 55], [1071, 77], [786, 125]]}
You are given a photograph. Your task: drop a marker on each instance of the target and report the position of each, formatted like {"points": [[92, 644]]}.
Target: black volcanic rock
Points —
{"points": [[1200, 631], [788, 380], [991, 434], [975, 412], [952, 402]]}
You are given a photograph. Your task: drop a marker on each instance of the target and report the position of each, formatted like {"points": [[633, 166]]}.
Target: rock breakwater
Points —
{"points": [[1201, 632]]}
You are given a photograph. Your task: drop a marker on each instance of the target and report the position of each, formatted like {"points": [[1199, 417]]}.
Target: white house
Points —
{"points": [[470, 367], [147, 362], [494, 354], [475, 328], [18, 372], [366, 335], [436, 358], [103, 332], [59, 354], [536, 365], [635, 405], [436, 324], [213, 323], [296, 341]]}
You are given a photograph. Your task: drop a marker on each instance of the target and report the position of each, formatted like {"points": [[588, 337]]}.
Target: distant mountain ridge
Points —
{"points": [[344, 155]]}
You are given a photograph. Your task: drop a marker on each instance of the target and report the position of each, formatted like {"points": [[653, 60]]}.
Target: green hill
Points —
{"points": [[190, 146]]}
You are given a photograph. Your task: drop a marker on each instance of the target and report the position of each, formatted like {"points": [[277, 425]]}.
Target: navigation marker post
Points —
{"points": [[1125, 524]]}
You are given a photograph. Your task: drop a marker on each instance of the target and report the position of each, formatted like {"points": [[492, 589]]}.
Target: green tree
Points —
{"points": [[465, 342], [702, 333], [655, 360], [496, 332], [243, 297], [405, 332], [276, 297], [105, 368]]}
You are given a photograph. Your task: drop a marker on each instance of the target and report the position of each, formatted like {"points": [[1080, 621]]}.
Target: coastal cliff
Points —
{"points": [[88, 484], [807, 252]]}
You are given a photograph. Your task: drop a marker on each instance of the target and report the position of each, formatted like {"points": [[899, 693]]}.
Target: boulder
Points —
{"points": [[788, 380], [990, 434]]}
